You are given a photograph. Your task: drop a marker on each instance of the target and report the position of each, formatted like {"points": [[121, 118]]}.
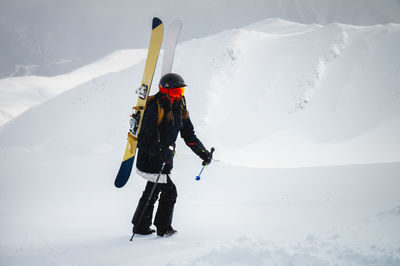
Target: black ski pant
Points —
{"points": [[165, 210]]}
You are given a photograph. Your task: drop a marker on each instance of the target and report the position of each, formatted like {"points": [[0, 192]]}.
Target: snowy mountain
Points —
{"points": [[21, 93], [43, 37], [312, 93], [271, 97]]}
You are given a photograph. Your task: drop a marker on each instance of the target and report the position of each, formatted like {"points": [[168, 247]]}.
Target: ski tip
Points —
{"points": [[156, 22], [124, 173], [118, 185], [177, 22]]}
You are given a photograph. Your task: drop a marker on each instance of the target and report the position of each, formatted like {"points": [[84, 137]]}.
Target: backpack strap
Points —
{"points": [[160, 113], [160, 110], [185, 112]]}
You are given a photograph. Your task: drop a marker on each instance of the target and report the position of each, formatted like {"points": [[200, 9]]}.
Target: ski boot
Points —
{"points": [[143, 231], [166, 232]]}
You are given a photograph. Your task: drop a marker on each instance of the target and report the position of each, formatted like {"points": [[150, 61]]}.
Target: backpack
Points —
{"points": [[161, 112]]}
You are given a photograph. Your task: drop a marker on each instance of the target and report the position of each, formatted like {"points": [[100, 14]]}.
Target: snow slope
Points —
{"points": [[19, 94], [309, 90], [270, 97], [314, 95]]}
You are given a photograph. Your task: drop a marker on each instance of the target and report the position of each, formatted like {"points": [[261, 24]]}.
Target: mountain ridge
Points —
{"points": [[331, 83]]}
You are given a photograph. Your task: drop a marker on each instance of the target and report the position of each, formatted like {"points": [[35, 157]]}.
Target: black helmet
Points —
{"points": [[171, 80]]}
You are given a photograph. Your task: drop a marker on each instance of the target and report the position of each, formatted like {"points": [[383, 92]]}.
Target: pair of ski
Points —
{"points": [[156, 40]]}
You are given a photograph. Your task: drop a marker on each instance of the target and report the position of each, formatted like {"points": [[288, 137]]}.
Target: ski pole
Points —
{"points": [[148, 200], [204, 166], [198, 177]]}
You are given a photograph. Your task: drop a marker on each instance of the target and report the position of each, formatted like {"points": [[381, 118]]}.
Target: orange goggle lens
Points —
{"points": [[173, 92]]}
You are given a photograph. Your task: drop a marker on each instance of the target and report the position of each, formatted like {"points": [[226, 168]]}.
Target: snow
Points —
{"points": [[21, 93], [305, 122]]}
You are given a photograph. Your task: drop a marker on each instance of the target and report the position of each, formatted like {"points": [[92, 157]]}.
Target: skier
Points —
{"points": [[166, 115]]}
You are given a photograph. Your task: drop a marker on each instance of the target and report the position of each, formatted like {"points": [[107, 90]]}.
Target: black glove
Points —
{"points": [[166, 154], [206, 156]]}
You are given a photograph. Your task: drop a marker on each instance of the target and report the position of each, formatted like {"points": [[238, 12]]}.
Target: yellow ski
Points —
{"points": [[157, 34]]}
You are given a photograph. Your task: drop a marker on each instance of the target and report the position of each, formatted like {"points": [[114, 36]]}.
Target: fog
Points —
{"points": [[49, 37]]}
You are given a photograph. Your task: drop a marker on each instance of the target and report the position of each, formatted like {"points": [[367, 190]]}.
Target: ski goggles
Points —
{"points": [[173, 92]]}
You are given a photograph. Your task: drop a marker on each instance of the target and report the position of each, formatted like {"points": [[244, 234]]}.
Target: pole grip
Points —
{"points": [[211, 153]]}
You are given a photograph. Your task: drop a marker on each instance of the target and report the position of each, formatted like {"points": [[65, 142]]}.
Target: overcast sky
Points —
{"points": [[44, 31]]}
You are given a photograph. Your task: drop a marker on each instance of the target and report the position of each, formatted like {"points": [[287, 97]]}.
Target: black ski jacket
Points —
{"points": [[153, 137]]}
